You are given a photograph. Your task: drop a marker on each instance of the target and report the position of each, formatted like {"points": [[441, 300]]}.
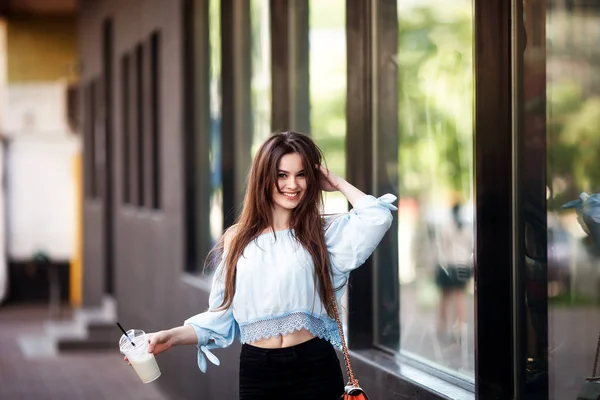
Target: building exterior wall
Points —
{"points": [[149, 282], [92, 211], [41, 48]]}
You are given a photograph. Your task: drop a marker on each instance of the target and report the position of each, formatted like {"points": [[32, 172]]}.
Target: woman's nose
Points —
{"points": [[292, 183]]}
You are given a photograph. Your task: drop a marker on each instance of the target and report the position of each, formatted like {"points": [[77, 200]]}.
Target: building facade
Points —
{"points": [[480, 115], [40, 146]]}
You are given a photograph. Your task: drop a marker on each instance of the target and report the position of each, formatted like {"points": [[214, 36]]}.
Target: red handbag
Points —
{"points": [[352, 391]]}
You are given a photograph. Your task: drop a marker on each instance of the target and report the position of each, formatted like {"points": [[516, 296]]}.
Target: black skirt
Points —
{"points": [[310, 370], [453, 276]]}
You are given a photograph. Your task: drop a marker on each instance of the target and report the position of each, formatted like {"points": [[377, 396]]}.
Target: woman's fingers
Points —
{"points": [[156, 339], [152, 337]]}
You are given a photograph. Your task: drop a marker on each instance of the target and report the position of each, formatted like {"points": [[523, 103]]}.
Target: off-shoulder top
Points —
{"points": [[275, 291]]}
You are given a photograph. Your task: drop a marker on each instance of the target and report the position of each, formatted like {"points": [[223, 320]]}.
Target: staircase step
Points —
{"points": [[64, 330], [89, 329], [108, 332], [87, 344], [105, 313]]}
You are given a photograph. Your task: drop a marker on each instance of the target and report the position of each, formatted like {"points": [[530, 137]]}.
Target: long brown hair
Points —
{"points": [[306, 221]]}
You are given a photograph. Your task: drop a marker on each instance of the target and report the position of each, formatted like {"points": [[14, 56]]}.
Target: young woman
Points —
{"points": [[280, 270]]}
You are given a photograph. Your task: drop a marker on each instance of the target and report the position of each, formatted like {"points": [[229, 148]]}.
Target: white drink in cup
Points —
{"points": [[142, 362]]}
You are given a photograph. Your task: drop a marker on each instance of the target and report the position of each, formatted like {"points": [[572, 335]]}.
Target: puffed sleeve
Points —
{"points": [[352, 237], [215, 329]]}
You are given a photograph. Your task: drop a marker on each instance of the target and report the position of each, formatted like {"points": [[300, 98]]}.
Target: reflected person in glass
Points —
{"points": [[282, 269], [453, 271]]}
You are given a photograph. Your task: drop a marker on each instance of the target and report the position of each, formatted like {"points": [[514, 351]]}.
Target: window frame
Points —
{"points": [[196, 122], [498, 283]]}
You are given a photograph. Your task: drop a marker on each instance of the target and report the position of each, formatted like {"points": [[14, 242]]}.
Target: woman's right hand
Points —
{"points": [[157, 343]]}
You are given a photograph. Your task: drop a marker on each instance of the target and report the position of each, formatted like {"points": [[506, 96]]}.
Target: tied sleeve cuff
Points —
{"points": [[204, 348], [384, 201], [205, 353]]}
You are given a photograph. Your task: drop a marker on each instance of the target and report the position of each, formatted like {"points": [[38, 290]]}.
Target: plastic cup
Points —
{"points": [[142, 362]]}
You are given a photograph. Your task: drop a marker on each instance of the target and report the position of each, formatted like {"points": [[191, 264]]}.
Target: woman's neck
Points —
{"points": [[281, 219]]}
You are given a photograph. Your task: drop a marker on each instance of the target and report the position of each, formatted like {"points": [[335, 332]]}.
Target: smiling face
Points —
{"points": [[291, 181]]}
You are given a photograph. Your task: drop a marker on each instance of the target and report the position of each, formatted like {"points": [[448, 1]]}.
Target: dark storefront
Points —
{"points": [[481, 115]]}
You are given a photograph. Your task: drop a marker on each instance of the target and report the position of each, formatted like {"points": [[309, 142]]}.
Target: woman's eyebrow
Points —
{"points": [[287, 172]]}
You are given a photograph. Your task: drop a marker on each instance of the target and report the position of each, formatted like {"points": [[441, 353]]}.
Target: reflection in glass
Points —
{"points": [[435, 166], [216, 198], [261, 72], [561, 108], [327, 38]]}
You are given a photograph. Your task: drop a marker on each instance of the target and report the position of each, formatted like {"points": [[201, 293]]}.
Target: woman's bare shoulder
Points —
{"points": [[229, 235]]}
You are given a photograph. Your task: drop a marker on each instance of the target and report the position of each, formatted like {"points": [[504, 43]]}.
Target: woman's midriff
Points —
{"points": [[291, 339]]}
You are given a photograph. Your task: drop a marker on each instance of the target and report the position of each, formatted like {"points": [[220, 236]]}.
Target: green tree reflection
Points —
{"points": [[435, 101]]}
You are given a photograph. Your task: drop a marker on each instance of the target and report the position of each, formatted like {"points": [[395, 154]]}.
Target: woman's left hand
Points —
{"points": [[329, 181]]}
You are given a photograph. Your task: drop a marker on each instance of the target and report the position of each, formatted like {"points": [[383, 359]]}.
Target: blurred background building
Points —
{"points": [[128, 128], [40, 148]]}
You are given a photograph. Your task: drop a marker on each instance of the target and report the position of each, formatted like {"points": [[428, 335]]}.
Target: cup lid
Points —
{"points": [[137, 336]]}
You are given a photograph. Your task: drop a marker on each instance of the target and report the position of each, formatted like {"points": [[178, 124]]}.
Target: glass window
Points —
{"points": [[216, 198], [435, 184], [261, 72], [202, 129], [327, 69], [561, 186], [155, 134], [125, 128], [89, 93], [139, 116]]}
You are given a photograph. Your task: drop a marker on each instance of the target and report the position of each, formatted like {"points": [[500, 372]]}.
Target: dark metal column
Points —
{"points": [[196, 73], [359, 157], [237, 122], [372, 104], [147, 123], [385, 165], [133, 127], [280, 65], [299, 73], [290, 65], [242, 70], [109, 178], [495, 202]]}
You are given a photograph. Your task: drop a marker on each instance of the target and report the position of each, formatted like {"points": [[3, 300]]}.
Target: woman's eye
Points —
{"points": [[281, 176], [301, 175]]}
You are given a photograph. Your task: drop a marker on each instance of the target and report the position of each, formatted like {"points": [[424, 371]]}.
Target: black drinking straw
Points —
{"points": [[125, 333]]}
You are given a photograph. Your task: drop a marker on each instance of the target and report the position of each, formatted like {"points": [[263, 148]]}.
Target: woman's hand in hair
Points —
{"points": [[329, 181]]}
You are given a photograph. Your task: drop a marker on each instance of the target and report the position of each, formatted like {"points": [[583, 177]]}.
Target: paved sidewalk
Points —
{"points": [[29, 370]]}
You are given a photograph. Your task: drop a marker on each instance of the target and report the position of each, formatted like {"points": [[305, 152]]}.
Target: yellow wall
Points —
{"points": [[41, 48], [76, 267]]}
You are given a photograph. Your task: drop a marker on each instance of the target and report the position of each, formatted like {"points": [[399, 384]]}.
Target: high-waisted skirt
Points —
{"points": [[310, 370]]}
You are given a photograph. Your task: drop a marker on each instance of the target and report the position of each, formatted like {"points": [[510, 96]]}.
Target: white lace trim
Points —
{"points": [[279, 326]]}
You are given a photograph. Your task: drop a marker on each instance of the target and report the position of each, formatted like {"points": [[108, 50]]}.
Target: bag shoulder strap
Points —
{"points": [[352, 381], [594, 377]]}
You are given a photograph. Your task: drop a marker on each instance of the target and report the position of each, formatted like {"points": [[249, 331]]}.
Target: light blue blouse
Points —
{"points": [[275, 293]]}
